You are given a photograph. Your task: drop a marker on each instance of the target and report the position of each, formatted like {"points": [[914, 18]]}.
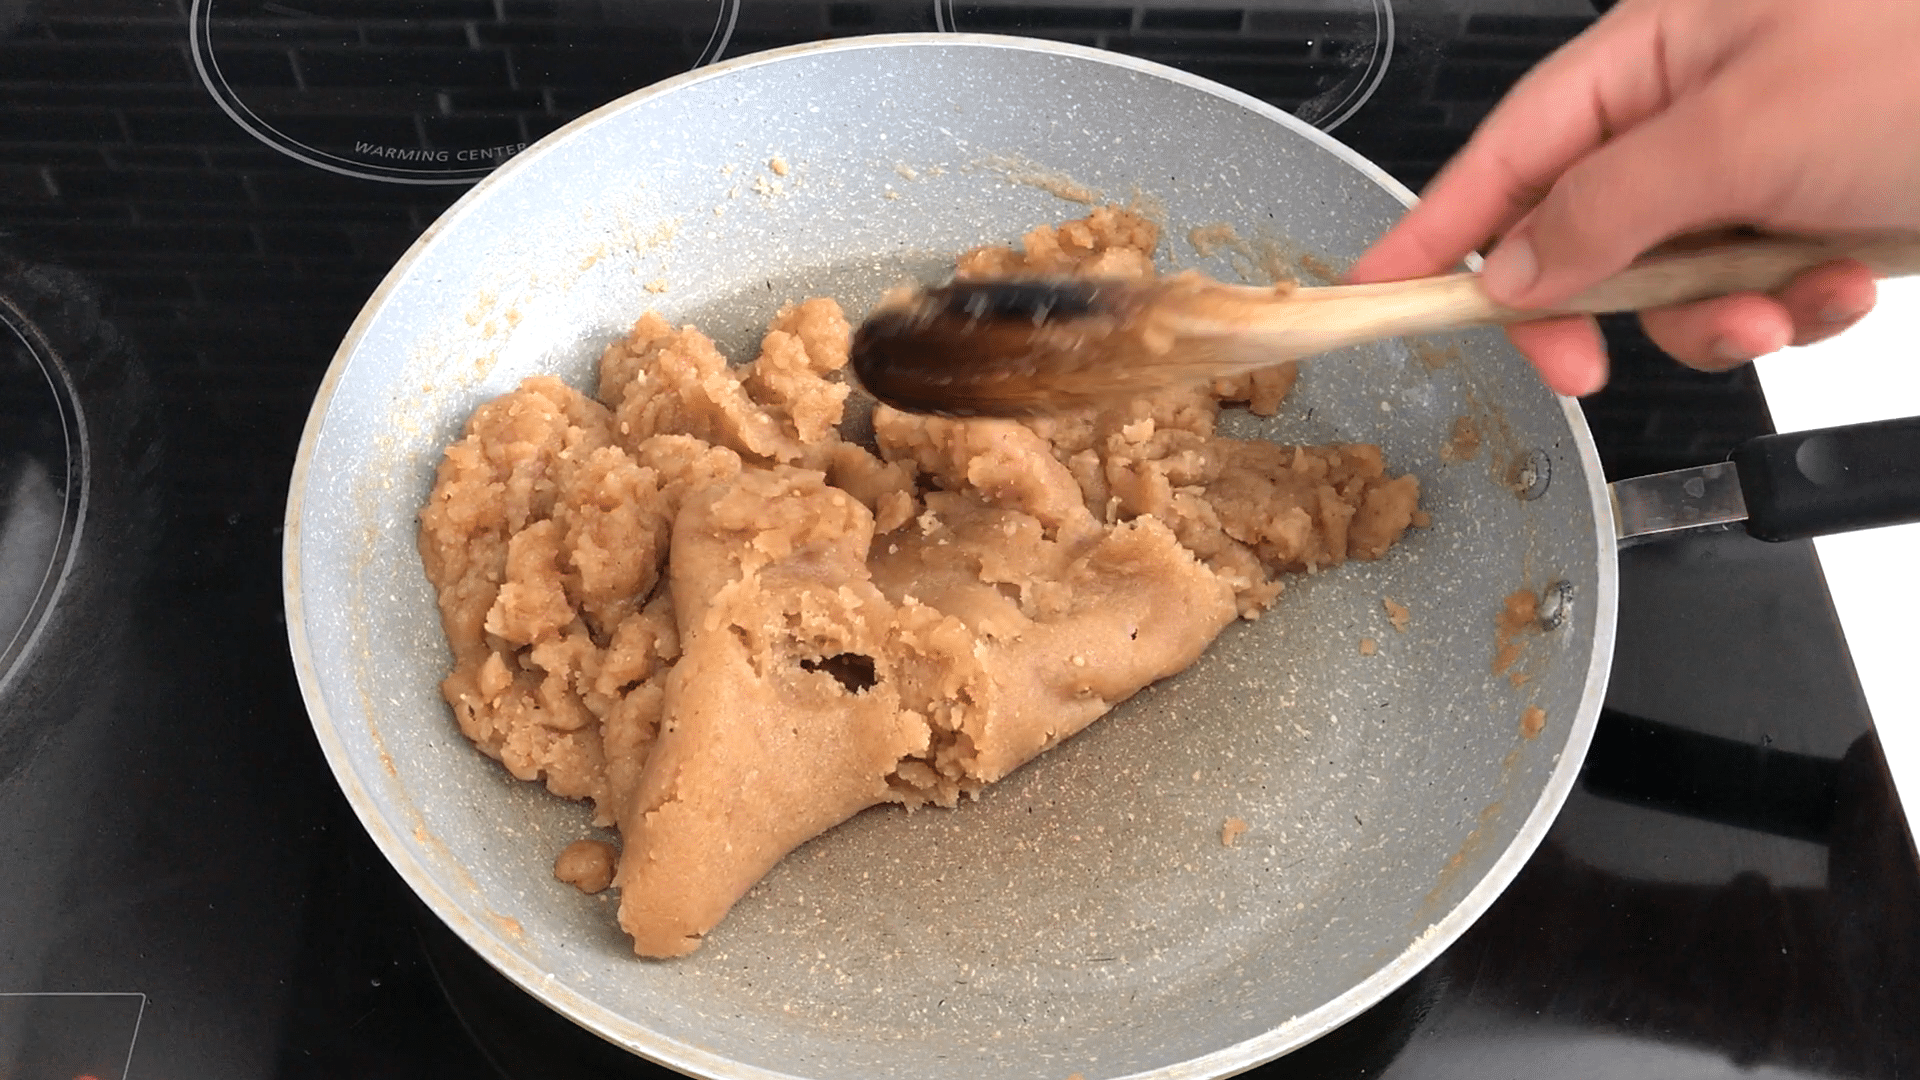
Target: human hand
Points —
{"points": [[1667, 118]]}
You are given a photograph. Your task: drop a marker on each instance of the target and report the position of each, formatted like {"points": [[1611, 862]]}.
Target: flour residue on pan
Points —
{"points": [[1263, 259], [1055, 183], [643, 237], [1260, 261]]}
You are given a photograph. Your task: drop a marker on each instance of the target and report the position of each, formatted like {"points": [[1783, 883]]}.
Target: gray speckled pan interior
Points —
{"points": [[1084, 915]]}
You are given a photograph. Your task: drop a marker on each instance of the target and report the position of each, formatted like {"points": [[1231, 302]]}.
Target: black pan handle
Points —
{"points": [[1831, 480]]}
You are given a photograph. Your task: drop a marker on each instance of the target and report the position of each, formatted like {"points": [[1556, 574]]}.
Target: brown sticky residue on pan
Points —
{"points": [[1475, 842], [1210, 240], [1231, 830], [1463, 442], [1506, 457], [508, 925], [1147, 205], [1518, 620], [1271, 257], [1533, 720], [1317, 268], [1434, 357], [1368, 646]]}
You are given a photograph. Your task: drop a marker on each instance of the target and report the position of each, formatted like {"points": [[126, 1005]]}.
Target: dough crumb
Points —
{"points": [[1397, 613], [688, 600], [778, 165], [657, 285], [1533, 721], [1231, 831], [906, 171], [1262, 389], [586, 865], [1368, 646]]}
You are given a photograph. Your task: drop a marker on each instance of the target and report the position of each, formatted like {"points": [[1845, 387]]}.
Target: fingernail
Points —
{"points": [[1510, 271], [1726, 352], [1595, 381], [1838, 316]]}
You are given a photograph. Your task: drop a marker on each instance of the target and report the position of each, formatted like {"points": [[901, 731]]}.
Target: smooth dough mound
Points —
{"points": [[688, 600]]}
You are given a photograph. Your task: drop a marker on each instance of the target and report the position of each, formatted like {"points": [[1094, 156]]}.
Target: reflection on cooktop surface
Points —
{"points": [[442, 92], [438, 92], [41, 474]]}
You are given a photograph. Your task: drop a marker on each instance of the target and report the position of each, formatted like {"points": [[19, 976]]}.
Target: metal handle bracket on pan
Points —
{"points": [[1783, 487]]}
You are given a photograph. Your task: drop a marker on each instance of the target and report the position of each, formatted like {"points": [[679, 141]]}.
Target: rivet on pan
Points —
{"points": [[1531, 474], [1556, 605]]}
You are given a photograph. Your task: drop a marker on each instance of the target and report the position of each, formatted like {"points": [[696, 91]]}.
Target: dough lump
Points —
{"points": [[688, 600]]}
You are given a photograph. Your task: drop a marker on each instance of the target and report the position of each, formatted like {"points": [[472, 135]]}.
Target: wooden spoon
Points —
{"points": [[1026, 347]]}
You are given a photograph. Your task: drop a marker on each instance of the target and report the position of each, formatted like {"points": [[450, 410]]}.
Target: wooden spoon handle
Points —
{"points": [[1759, 265], [1312, 320]]}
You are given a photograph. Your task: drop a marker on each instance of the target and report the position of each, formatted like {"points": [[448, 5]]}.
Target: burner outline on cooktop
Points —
{"points": [[92, 1012], [19, 645], [206, 63], [1325, 111]]}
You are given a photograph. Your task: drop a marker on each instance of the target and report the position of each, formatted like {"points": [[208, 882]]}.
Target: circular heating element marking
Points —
{"points": [[42, 487], [1320, 65], [436, 91]]}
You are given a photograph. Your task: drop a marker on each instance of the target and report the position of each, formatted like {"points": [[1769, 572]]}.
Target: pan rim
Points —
{"points": [[1284, 1038]]}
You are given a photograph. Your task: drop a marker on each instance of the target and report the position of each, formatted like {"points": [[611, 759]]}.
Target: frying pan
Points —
{"points": [[1084, 916]]}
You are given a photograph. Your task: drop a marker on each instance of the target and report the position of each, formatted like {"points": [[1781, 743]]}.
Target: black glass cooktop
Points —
{"points": [[196, 196]]}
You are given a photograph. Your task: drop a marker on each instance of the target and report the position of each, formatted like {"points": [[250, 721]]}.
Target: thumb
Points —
{"points": [[1661, 178]]}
